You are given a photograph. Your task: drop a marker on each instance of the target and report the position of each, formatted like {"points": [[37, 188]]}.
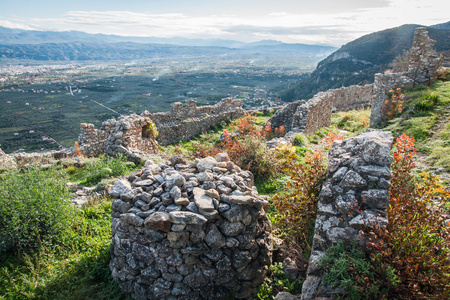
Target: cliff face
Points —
{"points": [[358, 61]]}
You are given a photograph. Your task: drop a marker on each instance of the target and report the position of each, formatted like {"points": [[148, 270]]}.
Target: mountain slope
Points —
{"points": [[358, 61]]}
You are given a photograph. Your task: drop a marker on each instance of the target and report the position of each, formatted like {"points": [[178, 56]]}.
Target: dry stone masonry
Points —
{"points": [[129, 135], [423, 69], [308, 116], [358, 179], [183, 123], [189, 231]]}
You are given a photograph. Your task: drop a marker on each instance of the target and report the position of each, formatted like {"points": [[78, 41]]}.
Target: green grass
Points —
{"points": [[425, 116], [354, 121], [50, 249]]}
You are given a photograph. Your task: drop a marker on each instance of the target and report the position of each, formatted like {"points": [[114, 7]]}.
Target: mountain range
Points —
{"points": [[357, 62], [76, 45]]}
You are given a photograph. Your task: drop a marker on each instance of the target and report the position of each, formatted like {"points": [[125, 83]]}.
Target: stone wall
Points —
{"points": [[128, 135], [314, 114], [352, 97], [353, 196], [308, 116], [22, 159], [384, 83], [423, 69], [185, 122], [189, 231]]}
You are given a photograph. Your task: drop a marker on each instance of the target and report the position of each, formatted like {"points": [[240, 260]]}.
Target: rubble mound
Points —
{"points": [[189, 231]]}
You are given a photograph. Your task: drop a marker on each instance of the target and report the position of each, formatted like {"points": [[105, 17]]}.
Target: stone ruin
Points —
{"points": [[189, 231], [309, 116], [358, 179], [183, 123], [422, 69], [129, 135]]}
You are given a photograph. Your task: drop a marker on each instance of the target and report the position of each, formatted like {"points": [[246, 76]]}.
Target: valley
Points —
{"points": [[42, 105]]}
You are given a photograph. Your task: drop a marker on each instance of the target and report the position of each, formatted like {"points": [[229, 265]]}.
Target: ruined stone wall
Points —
{"points": [[285, 116], [22, 159], [422, 69], [353, 196], [424, 61], [308, 116], [189, 231], [314, 114], [185, 122], [384, 83], [352, 97], [126, 135]]}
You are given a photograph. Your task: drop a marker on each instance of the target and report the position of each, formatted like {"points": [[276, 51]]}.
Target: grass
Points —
{"points": [[426, 116], [50, 249]]}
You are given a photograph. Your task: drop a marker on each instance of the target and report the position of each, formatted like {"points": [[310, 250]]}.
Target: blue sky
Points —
{"points": [[333, 22]]}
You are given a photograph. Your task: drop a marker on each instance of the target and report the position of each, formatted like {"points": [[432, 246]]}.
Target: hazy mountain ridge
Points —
{"points": [[356, 62], [51, 45]]}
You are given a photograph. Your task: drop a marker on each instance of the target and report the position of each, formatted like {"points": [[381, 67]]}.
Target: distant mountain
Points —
{"points": [[76, 45], [358, 61], [441, 26]]}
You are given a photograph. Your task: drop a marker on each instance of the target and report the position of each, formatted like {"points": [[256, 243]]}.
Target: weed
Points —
{"points": [[277, 281]]}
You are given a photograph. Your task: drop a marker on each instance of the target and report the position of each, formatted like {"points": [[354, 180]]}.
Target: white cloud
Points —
{"points": [[331, 28]]}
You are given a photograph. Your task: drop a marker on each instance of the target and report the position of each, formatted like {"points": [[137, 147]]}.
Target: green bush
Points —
{"points": [[33, 209], [348, 267], [301, 140], [278, 281]]}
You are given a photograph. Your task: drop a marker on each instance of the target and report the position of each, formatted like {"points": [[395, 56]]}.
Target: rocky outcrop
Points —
{"points": [[353, 196], [189, 231], [185, 122]]}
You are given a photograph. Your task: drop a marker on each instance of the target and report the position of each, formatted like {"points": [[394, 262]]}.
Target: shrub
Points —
{"points": [[300, 140], [297, 205], [277, 281], [350, 268], [416, 241], [394, 104], [331, 138], [251, 153], [106, 167], [32, 209]]}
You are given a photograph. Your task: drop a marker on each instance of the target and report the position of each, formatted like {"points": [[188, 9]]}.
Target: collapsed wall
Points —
{"points": [[308, 116], [353, 196], [189, 231], [129, 135], [185, 122], [422, 69]]}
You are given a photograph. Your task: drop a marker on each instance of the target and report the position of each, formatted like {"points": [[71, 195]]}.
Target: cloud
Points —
{"points": [[329, 28]]}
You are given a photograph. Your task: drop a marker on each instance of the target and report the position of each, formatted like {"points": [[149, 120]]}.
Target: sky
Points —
{"points": [[327, 22]]}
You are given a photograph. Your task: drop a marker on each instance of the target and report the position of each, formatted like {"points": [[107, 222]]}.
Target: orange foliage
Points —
{"points": [[393, 105], [298, 204], [416, 242], [77, 149], [331, 138]]}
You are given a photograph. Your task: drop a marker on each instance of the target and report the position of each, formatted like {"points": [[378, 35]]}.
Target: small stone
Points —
{"points": [[132, 219], [185, 217], [212, 193], [222, 157], [175, 193], [158, 221], [120, 206], [182, 201], [202, 200], [206, 164], [353, 180], [146, 182], [214, 238], [241, 199], [205, 176]]}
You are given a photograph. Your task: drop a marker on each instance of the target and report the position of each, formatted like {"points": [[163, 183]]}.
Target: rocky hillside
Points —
{"points": [[358, 61]]}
